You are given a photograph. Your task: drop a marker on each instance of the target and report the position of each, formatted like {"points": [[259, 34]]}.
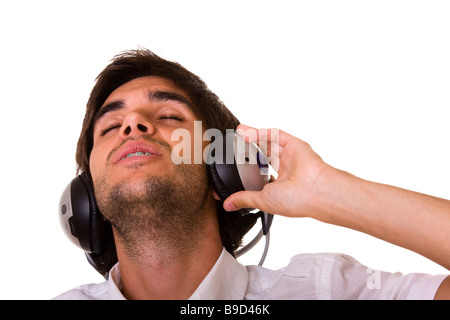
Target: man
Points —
{"points": [[173, 239]]}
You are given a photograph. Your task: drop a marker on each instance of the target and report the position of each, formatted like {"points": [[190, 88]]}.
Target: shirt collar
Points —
{"points": [[115, 284], [227, 280]]}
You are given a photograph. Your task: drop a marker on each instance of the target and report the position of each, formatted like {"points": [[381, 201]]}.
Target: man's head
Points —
{"points": [[138, 100]]}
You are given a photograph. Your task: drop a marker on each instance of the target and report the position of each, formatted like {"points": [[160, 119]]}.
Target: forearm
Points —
{"points": [[412, 220]]}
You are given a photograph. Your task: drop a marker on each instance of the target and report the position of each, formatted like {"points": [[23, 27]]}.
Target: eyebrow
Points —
{"points": [[153, 95], [159, 95], [110, 107]]}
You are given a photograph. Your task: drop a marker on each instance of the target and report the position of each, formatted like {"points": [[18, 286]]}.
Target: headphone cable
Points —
{"points": [[266, 220]]}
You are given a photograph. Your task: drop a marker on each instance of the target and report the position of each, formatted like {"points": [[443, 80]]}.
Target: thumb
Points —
{"points": [[243, 199]]}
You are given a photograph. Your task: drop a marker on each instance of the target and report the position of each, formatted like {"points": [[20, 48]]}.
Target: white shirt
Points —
{"points": [[307, 276]]}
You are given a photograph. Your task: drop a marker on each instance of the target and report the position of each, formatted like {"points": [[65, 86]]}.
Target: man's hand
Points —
{"points": [[308, 187], [299, 168]]}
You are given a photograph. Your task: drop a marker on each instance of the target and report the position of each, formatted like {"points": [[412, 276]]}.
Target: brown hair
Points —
{"points": [[133, 64]]}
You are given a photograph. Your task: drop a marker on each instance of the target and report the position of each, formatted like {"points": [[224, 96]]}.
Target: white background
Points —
{"points": [[366, 83]]}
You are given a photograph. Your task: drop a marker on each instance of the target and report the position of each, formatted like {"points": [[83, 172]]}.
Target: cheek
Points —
{"points": [[95, 163]]}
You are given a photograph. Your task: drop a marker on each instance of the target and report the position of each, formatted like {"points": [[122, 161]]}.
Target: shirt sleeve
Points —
{"points": [[349, 279]]}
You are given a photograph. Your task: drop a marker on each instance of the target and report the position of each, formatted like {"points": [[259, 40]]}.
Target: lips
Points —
{"points": [[135, 151]]}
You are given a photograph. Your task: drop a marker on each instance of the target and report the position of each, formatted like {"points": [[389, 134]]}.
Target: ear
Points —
{"points": [[214, 194]]}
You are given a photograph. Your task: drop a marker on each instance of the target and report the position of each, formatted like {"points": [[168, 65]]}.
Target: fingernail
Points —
{"points": [[229, 206]]}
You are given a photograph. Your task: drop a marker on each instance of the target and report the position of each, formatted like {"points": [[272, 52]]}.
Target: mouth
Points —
{"points": [[137, 154], [135, 151]]}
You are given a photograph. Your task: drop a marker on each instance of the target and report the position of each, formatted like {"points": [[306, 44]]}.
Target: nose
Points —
{"points": [[136, 124]]}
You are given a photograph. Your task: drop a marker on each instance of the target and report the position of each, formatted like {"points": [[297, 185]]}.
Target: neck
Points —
{"points": [[155, 271]]}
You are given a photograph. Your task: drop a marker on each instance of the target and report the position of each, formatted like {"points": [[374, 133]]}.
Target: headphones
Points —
{"points": [[234, 167]]}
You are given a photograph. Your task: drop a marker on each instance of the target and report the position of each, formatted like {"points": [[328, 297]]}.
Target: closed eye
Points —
{"points": [[170, 117], [111, 127]]}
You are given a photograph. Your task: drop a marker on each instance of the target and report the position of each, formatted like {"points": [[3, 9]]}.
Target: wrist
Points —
{"points": [[332, 199]]}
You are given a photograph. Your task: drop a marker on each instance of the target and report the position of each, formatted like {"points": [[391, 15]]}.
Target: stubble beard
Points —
{"points": [[156, 217]]}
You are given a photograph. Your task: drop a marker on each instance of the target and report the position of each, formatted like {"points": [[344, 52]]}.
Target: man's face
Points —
{"points": [[132, 132], [137, 186]]}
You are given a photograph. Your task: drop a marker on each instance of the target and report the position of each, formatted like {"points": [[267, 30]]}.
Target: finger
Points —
{"points": [[271, 148], [251, 134], [243, 199]]}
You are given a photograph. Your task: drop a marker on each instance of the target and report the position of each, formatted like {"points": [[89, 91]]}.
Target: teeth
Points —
{"points": [[139, 153]]}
